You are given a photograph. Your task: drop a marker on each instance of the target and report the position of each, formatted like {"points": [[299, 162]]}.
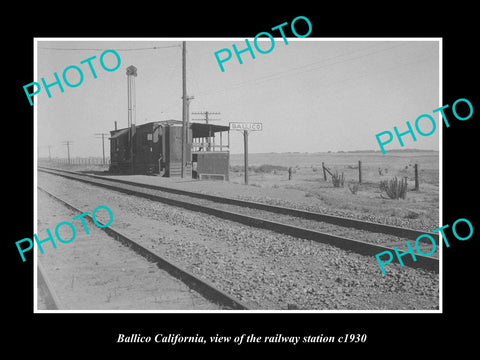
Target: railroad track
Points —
{"points": [[201, 286], [274, 218], [335, 220]]}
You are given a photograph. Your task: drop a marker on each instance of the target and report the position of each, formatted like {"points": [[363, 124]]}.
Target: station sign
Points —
{"points": [[246, 127], [242, 126]]}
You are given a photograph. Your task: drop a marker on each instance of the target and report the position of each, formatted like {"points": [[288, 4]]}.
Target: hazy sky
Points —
{"points": [[311, 95]]}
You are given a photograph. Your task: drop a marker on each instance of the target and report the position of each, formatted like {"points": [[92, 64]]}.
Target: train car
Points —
{"points": [[156, 148]]}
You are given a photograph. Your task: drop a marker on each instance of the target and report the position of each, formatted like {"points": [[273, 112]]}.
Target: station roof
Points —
{"points": [[117, 133], [203, 130], [198, 129]]}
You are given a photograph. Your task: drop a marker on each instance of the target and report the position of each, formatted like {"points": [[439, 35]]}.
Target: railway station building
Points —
{"points": [[155, 148]]}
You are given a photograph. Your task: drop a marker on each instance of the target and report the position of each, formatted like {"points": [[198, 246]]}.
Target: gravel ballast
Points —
{"points": [[265, 270]]}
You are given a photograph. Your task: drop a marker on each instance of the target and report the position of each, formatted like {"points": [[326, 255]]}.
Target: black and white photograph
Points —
{"points": [[260, 187]]}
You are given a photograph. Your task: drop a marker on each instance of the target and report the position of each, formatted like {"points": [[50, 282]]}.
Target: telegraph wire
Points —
{"points": [[96, 49], [397, 67], [295, 71]]}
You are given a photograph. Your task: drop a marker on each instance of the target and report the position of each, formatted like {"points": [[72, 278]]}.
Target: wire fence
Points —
{"points": [[77, 161], [357, 173], [365, 172]]}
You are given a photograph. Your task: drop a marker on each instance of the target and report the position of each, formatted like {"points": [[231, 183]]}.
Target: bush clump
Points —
{"points": [[268, 168], [353, 188], [337, 180], [394, 188]]}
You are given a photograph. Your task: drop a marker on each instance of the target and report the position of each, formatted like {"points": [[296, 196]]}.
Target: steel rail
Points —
{"points": [[360, 247], [406, 233], [203, 287]]}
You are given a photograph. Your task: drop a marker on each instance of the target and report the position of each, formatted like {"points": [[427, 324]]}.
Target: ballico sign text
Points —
{"points": [[245, 126]]}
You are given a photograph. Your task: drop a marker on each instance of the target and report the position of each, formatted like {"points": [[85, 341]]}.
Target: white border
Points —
{"points": [[440, 168], [286, 312]]}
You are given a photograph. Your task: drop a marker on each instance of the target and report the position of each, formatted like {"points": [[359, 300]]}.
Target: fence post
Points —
{"points": [[416, 177], [359, 172], [324, 173]]}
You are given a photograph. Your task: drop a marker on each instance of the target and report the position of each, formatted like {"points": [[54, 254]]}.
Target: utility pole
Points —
{"points": [[206, 113], [103, 144], [185, 109], [184, 105], [68, 142], [189, 99]]}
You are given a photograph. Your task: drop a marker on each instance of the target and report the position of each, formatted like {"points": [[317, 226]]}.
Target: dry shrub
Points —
{"points": [[353, 188], [394, 188], [337, 180]]}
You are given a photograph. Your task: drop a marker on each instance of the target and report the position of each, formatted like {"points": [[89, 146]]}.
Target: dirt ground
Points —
{"points": [[95, 272]]}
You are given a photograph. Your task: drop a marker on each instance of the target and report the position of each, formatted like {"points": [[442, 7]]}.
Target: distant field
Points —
{"points": [[375, 166], [421, 206], [308, 159]]}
